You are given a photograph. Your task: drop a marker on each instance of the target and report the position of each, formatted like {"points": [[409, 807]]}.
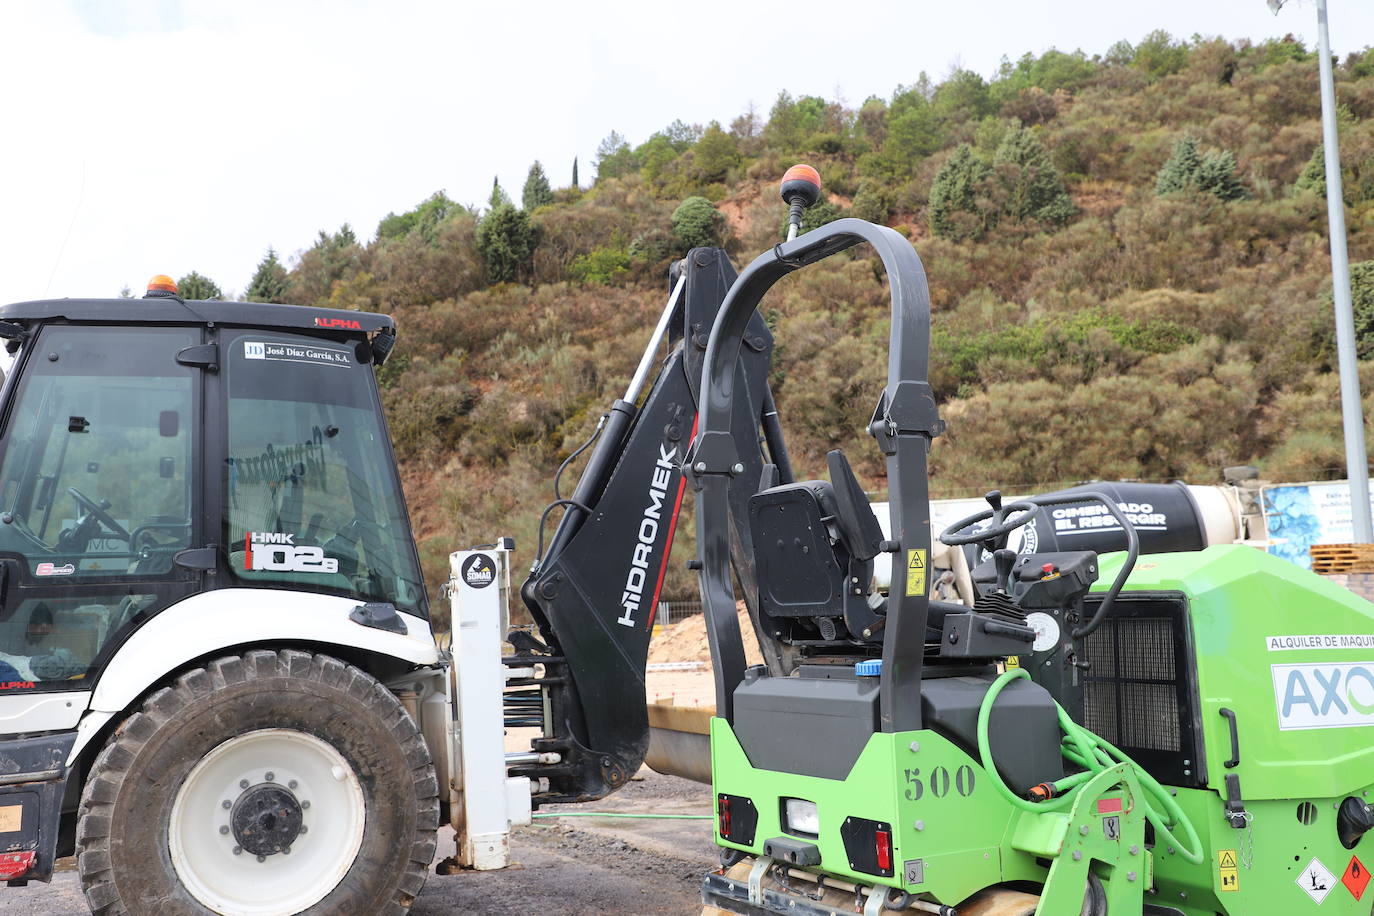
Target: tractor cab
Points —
{"points": [[153, 449]]}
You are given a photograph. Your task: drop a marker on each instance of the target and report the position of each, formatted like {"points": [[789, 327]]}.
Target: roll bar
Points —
{"points": [[904, 423]]}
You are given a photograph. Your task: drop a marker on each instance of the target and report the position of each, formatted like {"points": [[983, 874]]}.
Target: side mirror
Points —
{"points": [[168, 423]]}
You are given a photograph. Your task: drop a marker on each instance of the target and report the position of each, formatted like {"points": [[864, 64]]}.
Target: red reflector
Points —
{"points": [[882, 840], [16, 864], [1109, 806], [1047, 569], [723, 809]]}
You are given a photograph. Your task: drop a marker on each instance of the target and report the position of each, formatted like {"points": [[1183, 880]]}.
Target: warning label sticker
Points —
{"points": [[915, 573], [1356, 877], [1227, 874], [1316, 880]]}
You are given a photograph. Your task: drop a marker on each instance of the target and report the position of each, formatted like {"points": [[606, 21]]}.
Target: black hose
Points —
{"points": [[539, 553], [1132, 552], [600, 424]]}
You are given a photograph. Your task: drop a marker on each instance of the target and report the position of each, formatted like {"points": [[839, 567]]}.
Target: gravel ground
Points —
{"points": [[563, 866]]}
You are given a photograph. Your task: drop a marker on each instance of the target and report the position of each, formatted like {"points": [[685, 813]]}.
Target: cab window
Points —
{"points": [[96, 475], [95, 496], [312, 500]]}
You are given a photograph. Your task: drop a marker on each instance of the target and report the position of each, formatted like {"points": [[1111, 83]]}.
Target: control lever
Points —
{"points": [[994, 498], [1003, 560]]}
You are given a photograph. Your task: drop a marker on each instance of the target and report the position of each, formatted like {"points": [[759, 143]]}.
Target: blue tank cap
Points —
{"points": [[872, 667]]}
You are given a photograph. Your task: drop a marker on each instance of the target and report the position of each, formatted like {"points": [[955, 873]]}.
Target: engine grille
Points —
{"points": [[1139, 692]]}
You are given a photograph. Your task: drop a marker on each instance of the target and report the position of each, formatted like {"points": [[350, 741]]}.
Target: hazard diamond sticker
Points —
{"points": [[1356, 877], [1316, 880]]}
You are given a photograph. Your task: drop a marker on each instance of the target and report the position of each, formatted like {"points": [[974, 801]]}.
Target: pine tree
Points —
{"points": [[536, 192], [574, 181], [1362, 304], [1213, 173], [499, 197], [1313, 177], [957, 210], [505, 240], [1217, 175], [1030, 183], [1180, 172], [269, 280], [198, 286]]}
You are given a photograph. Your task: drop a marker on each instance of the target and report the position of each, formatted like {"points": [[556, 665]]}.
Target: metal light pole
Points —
{"points": [[1352, 412]]}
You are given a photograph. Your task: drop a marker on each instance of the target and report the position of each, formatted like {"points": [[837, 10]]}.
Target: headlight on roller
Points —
{"points": [[800, 816]]}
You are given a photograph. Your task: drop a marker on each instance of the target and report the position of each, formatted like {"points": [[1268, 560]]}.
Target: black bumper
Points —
{"points": [[33, 782]]}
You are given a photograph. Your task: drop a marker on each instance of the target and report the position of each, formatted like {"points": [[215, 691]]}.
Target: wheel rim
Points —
{"points": [[288, 802]]}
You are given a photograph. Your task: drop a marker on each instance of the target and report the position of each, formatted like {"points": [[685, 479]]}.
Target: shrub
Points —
{"points": [[653, 246], [1158, 55], [602, 266], [871, 203], [698, 224]]}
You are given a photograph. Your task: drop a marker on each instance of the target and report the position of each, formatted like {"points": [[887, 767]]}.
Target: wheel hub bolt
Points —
{"points": [[262, 858], [270, 777], [292, 784], [305, 804], [286, 851], [226, 804], [304, 829], [224, 831], [238, 850], [243, 783]]}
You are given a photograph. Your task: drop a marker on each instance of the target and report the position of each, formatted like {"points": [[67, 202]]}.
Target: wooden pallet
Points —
{"points": [[1339, 559]]}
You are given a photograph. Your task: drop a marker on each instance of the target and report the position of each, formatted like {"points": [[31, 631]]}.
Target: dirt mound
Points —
{"points": [[685, 641]]}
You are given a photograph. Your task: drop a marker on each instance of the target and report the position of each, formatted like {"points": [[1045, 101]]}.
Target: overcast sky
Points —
{"points": [[164, 136]]}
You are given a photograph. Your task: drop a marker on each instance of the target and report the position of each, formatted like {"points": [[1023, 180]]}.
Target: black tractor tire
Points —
{"points": [[122, 833]]}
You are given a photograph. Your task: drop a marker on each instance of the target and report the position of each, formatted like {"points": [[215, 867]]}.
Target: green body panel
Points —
{"points": [[1239, 598], [959, 837], [1269, 856], [972, 838], [967, 838]]}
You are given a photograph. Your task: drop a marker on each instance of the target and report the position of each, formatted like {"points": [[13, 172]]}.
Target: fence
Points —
{"points": [[671, 612]]}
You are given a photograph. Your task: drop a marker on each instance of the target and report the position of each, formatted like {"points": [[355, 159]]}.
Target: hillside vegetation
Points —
{"points": [[1127, 257]]}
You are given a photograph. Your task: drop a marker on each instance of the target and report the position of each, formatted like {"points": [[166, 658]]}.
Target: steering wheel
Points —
{"points": [[962, 532], [97, 511]]}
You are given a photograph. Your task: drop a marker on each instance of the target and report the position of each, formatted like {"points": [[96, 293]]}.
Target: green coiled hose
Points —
{"points": [[1084, 749]]}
